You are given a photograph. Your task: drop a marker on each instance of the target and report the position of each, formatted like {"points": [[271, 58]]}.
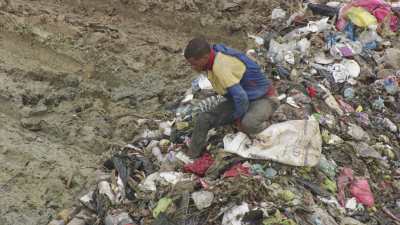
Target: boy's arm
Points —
{"points": [[240, 100]]}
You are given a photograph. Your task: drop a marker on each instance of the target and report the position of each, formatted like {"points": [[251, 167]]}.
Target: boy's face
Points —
{"points": [[199, 64]]}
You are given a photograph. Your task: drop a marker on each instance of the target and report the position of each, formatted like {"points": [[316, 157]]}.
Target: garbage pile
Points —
{"points": [[331, 156]]}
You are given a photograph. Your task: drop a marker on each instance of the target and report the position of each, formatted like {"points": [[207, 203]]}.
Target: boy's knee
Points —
{"points": [[250, 126]]}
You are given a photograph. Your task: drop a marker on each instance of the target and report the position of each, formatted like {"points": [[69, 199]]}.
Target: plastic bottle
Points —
{"points": [[118, 219]]}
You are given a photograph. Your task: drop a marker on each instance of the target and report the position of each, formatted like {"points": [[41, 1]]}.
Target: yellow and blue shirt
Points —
{"points": [[236, 76]]}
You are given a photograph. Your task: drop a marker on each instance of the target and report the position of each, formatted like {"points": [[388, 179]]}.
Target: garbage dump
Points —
{"points": [[331, 156]]}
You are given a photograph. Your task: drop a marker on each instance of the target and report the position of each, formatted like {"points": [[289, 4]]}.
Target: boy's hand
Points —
{"points": [[238, 124]]}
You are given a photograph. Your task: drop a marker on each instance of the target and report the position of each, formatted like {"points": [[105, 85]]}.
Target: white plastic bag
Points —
{"points": [[294, 142], [235, 215]]}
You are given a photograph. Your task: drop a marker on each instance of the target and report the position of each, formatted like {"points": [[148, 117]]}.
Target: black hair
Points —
{"points": [[197, 48]]}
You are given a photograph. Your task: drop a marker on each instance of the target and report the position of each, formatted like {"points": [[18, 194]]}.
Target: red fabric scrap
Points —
{"points": [[200, 166], [312, 92], [237, 170], [359, 188]]}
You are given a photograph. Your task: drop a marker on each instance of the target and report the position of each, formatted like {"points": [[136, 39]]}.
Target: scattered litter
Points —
{"points": [[339, 94]]}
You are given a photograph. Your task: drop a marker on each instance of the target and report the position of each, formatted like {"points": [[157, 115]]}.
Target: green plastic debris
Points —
{"points": [[328, 167], [257, 169], [278, 219], [330, 185], [286, 195], [162, 206]]}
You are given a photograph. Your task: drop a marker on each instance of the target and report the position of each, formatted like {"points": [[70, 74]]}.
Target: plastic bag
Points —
{"points": [[361, 191], [359, 188], [294, 142], [234, 215], [361, 17]]}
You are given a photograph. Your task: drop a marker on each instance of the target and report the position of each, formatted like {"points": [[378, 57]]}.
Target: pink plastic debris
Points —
{"points": [[361, 191], [359, 188]]}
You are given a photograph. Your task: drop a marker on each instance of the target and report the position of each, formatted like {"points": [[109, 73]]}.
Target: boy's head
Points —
{"points": [[197, 53]]}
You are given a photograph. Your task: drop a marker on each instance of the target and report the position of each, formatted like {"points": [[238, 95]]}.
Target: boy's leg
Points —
{"points": [[221, 115], [260, 111]]}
